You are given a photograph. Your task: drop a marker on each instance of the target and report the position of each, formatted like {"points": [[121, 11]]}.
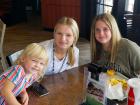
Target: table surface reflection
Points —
{"points": [[66, 88]]}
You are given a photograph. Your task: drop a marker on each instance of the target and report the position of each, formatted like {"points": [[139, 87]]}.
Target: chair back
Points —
{"points": [[2, 33], [13, 57]]}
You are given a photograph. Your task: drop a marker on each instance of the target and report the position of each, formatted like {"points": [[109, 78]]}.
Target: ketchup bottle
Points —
{"points": [[131, 97]]}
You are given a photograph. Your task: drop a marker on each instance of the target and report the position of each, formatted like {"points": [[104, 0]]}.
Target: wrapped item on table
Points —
{"points": [[116, 88], [115, 91]]}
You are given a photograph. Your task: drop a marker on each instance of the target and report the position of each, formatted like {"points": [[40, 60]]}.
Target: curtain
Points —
{"points": [[88, 12]]}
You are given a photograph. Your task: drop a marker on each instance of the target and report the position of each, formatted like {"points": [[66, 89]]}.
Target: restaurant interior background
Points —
{"points": [[28, 18], [126, 12]]}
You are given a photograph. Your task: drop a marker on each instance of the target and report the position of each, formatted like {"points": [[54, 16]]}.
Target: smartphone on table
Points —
{"points": [[39, 89]]}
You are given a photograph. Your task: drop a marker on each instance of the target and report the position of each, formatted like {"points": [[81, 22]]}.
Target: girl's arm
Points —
{"points": [[24, 98], [7, 93]]}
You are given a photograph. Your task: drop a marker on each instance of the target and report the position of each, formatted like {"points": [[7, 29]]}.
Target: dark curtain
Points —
{"points": [[137, 7], [15, 12], [88, 12], [135, 34], [18, 11], [118, 11]]}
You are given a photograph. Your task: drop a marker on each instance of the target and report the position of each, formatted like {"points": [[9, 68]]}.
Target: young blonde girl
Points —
{"points": [[62, 51], [109, 49], [28, 68]]}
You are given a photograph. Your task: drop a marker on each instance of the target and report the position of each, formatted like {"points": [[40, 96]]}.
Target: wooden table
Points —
{"points": [[66, 88]]}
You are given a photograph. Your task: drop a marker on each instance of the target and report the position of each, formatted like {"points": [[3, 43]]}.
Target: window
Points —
{"points": [[129, 5], [104, 6]]}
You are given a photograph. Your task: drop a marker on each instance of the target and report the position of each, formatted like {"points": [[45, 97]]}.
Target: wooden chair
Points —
{"points": [[2, 33]]}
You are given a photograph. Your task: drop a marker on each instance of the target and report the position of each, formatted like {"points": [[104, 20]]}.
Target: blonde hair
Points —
{"points": [[74, 27], [110, 21], [33, 50]]}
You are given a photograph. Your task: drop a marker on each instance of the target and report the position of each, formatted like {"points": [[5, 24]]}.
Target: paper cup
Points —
{"points": [[134, 91]]}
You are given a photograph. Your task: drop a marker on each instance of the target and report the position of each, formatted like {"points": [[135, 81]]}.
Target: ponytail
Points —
{"points": [[71, 56]]}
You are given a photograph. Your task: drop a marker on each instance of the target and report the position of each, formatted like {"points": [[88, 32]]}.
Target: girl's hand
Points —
{"points": [[24, 98]]}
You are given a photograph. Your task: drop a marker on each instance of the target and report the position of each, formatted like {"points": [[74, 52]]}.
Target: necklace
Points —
{"points": [[54, 60]]}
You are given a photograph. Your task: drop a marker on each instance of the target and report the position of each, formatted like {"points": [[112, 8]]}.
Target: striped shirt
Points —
{"points": [[16, 75]]}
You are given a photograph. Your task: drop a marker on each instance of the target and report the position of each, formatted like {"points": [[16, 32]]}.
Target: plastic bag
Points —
{"points": [[114, 91]]}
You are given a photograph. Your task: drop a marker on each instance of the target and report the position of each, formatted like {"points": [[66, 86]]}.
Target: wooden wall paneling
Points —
{"points": [[52, 10]]}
